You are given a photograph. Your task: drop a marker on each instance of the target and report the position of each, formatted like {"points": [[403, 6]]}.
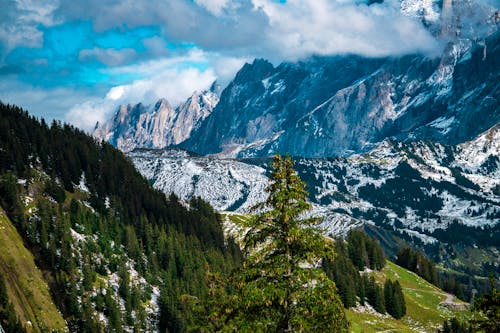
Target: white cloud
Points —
{"points": [[49, 103], [164, 80], [173, 84], [85, 115], [20, 21], [298, 29], [215, 7], [226, 67]]}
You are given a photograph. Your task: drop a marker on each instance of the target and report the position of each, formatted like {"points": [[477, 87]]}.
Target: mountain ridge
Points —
{"points": [[431, 195], [159, 125], [326, 106]]}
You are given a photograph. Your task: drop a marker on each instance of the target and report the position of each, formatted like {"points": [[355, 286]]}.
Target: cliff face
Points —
{"points": [[339, 105], [327, 106], [157, 126]]}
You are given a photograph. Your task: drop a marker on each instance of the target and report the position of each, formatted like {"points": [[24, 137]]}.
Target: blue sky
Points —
{"points": [[77, 60]]}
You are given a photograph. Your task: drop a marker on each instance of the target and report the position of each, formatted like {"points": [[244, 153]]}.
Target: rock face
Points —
{"points": [[157, 126], [342, 105], [339, 105]]}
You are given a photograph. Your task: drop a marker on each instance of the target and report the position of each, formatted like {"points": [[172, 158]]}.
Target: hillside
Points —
{"points": [[425, 193], [425, 303], [425, 311], [116, 254], [26, 287]]}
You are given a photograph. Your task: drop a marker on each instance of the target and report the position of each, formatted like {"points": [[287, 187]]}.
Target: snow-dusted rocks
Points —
{"points": [[159, 125], [226, 184], [418, 187]]}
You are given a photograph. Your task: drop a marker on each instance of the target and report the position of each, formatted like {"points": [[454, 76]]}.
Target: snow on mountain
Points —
{"points": [[342, 105], [157, 126], [420, 187], [426, 9], [338, 105], [225, 183]]}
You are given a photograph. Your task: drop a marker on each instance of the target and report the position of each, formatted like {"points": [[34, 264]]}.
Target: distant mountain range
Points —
{"points": [[331, 106], [407, 146]]}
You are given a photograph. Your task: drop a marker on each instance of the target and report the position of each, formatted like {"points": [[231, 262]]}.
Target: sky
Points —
{"points": [[76, 61]]}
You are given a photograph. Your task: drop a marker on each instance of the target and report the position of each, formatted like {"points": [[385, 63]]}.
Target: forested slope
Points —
{"points": [[116, 254]]}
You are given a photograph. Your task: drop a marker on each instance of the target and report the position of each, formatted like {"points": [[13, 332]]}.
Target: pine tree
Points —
{"points": [[487, 311], [399, 301], [374, 294], [394, 299], [455, 326], [279, 288]]}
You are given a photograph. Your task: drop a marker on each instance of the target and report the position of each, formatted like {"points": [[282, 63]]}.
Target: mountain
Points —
{"points": [[84, 232], [225, 183], [449, 176], [157, 126], [335, 106], [339, 105], [445, 199]]}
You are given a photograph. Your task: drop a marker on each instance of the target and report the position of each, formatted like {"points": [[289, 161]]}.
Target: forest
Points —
{"points": [[110, 246], [123, 222]]}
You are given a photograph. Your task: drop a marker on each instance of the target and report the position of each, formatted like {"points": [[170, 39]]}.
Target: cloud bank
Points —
{"points": [[148, 49]]}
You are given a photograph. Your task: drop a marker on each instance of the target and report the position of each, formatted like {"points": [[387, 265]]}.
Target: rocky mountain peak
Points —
{"points": [[258, 70], [159, 125]]}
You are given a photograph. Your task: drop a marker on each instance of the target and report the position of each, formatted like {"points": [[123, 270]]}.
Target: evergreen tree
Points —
{"points": [[345, 275], [279, 288], [394, 299], [487, 309], [455, 326], [374, 294], [417, 263]]}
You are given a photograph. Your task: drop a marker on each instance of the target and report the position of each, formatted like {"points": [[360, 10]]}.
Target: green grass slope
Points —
{"points": [[424, 313], [27, 289]]}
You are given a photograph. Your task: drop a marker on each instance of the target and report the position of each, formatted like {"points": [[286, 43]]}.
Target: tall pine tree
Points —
{"points": [[280, 287]]}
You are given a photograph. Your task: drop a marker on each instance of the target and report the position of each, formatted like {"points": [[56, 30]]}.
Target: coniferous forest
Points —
{"points": [[120, 256], [122, 223]]}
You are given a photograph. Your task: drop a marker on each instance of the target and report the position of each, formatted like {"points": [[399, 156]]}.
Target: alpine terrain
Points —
{"points": [[263, 166]]}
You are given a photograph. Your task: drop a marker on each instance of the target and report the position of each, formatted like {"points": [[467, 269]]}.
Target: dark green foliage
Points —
{"points": [[55, 191], [274, 291], [406, 189], [487, 309], [455, 326], [464, 181], [417, 263], [374, 294], [496, 190], [168, 243], [394, 299], [344, 270], [67, 153], [9, 197], [345, 275], [364, 251], [451, 285], [457, 232]]}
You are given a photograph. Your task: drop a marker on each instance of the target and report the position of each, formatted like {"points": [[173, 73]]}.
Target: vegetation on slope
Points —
{"points": [[26, 289], [424, 303], [116, 253]]}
